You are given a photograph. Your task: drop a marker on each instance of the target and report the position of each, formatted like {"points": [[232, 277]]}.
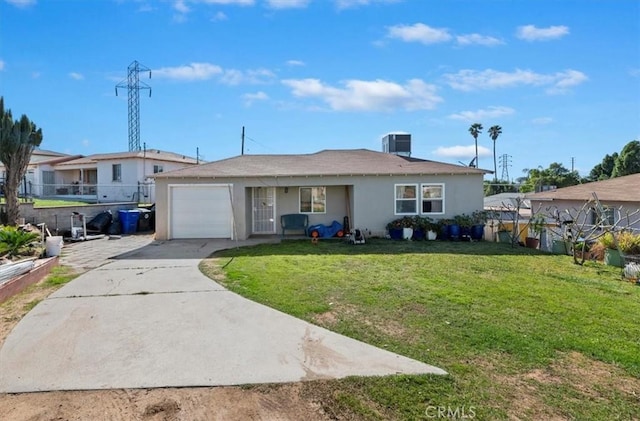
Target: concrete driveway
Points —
{"points": [[149, 318]]}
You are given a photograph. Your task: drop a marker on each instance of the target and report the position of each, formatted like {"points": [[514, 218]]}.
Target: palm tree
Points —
{"points": [[475, 130], [494, 132]]}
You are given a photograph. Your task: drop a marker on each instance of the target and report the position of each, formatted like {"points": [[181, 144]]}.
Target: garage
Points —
{"points": [[200, 211]]}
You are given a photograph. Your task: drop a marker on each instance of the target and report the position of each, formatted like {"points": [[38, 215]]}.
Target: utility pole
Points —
{"points": [[505, 164], [573, 163], [242, 151], [133, 86], [197, 155]]}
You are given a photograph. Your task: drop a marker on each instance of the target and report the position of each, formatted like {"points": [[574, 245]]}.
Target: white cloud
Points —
{"points": [[295, 63], [532, 33], [21, 3], [249, 99], [362, 95], [86, 142], [219, 17], [541, 121], [347, 4], [193, 71], [419, 32], [1, 65], [287, 4], [477, 39], [471, 80], [76, 76], [479, 115], [254, 77], [462, 152], [181, 7]]}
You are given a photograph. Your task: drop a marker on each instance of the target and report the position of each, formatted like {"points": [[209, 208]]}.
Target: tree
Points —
{"points": [[494, 132], [604, 170], [556, 175], [475, 130], [17, 140], [628, 161]]}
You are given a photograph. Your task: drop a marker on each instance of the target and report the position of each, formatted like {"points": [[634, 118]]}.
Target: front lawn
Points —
{"points": [[523, 334]]}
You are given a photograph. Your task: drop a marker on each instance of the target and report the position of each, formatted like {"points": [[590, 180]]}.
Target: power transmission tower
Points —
{"points": [[133, 86], [505, 164]]}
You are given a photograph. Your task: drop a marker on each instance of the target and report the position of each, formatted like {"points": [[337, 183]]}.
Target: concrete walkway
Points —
{"points": [[150, 319]]}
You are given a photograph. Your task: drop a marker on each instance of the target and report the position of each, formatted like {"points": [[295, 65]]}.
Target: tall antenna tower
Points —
{"points": [[133, 86], [505, 164]]}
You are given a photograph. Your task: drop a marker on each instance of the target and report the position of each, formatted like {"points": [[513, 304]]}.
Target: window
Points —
{"points": [[433, 198], [116, 172], [157, 169], [607, 218], [406, 199], [313, 199]]}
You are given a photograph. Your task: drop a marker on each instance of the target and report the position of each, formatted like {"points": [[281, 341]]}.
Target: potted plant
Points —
{"points": [[628, 243], [419, 227], [408, 224], [431, 228], [464, 221], [478, 220], [395, 229], [608, 243], [536, 226]]}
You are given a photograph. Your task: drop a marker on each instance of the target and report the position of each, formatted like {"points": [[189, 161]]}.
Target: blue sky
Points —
{"points": [[562, 78]]}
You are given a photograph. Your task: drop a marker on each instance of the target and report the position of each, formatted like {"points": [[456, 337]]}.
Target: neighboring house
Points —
{"points": [[115, 177], [246, 195], [108, 177], [38, 171], [619, 197]]}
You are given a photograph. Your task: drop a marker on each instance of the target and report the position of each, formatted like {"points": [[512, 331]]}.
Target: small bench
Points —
{"points": [[294, 221]]}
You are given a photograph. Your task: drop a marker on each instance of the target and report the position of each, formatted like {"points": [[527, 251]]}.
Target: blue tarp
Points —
{"points": [[325, 231]]}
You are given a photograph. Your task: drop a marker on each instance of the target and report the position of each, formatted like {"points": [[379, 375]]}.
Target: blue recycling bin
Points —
{"points": [[128, 221]]}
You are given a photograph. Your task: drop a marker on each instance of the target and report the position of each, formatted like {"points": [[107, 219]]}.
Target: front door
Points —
{"points": [[264, 210]]}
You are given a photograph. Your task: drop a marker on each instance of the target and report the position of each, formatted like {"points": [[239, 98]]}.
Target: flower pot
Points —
{"points": [[407, 233], [418, 235], [453, 232], [431, 235], [531, 242], [612, 258], [477, 232], [395, 233]]}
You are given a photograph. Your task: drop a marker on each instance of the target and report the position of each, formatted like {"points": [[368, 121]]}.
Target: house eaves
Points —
{"points": [[619, 189]]}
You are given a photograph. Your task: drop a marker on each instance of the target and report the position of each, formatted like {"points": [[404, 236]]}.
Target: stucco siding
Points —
{"points": [[371, 198]]}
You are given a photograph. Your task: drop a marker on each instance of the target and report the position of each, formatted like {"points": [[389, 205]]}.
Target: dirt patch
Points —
{"points": [[524, 392]]}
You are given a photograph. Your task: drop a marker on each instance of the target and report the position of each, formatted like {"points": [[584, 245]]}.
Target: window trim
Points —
{"points": [[395, 199], [312, 211], [157, 169], [422, 198], [119, 173]]}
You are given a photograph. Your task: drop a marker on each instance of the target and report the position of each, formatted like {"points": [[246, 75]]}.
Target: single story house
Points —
{"points": [[245, 195], [618, 196]]}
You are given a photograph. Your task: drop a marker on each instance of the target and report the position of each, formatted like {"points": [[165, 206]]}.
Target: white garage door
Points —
{"points": [[200, 211]]}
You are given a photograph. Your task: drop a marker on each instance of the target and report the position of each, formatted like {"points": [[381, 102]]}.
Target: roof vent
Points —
{"points": [[397, 144]]}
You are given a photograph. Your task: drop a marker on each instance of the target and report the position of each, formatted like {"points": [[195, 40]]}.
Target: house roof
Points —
{"points": [[619, 189], [323, 163], [506, 200], [154, 154]]}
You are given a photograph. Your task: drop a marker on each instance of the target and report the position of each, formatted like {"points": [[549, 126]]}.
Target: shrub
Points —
{"points": [[629, 243], [14, 241]]}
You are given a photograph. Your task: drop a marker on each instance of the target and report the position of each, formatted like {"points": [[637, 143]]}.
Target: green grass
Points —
{"points": [[51, 203], [60, 275], [492, 316]]}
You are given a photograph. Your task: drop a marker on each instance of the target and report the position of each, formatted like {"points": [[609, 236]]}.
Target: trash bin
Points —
{"points": [[129, 221], [53, 246], [144, 220]]}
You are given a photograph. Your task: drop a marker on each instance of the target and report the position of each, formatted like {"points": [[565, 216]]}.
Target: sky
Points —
{"points": [[561, 77]]}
